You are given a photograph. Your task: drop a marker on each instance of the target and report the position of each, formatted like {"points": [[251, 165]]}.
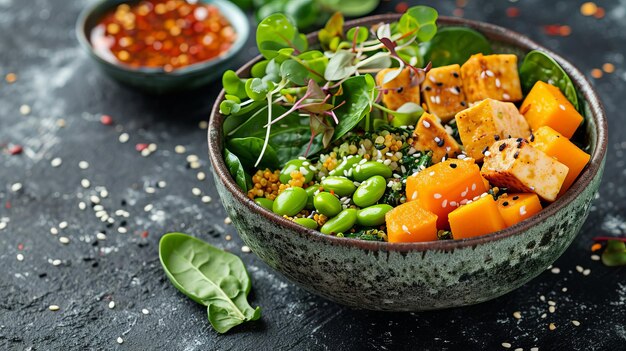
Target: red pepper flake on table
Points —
{"points": [[162, 34]]}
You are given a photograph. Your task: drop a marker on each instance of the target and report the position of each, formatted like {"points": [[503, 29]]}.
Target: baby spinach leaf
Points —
{"points": [[209, 276], [454, 45], [419, 21], [294, 72], [357, 97], [248, 150], [538, 66], [235, 168], [278, 32]]}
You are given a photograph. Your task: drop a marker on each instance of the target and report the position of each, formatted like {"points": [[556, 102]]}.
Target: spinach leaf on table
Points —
{"points": [[538, 66], [209, 276], [235, 168], [454, 45]]}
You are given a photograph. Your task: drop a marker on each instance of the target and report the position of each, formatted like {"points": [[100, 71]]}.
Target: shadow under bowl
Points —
{"points": [[425, 275], [155, 80]]}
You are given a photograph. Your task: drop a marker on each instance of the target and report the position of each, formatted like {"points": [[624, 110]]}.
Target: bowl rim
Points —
{"points": [[494, 32], [226, 7]]}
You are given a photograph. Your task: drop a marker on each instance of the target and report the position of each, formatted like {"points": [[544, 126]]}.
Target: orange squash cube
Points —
{"points": [[430, 134], [546, 105], [400, 90], [410, 222], [515, 208], [477, 218], [443, 187], [554, 144]]}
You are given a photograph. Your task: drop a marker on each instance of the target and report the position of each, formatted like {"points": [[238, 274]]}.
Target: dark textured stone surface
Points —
{"points": [[58, 81]]}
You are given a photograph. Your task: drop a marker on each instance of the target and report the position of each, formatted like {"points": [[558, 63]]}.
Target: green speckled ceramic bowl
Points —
{"points": [[428, 275], [155, 80]]}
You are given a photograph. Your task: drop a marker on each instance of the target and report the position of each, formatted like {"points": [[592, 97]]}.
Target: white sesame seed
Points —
{"points": [[522, 210], [245, 249], [489, 73], [595, 258], [148, 207], [406, 229], [56, 262], [122, 230], [562, 107], [551, 326], [506, 96], [123, 138], [387, 162], [444, 203], [194, 165], [517, 315], [63, 225], [432, 79], [192, 158], [206, 199], [551, 303], [579, 269], [101, 236], [24, 110], [487, 153], [82, 205], [196, 191], [120, 340], [498, 84], [202, 176], [587, 272], [3, 225], [54, 231], [145, 311], [556, 270], [227, 220], [152, 147], [145, 152], [426, 124], [150, 190], [575, 323], [15, 187], [112, 304], [519, 349], [83, 164], [564, 290], [54, 308], [534, 349], [437, 196], [56, 162], [179, 149], [551, 309], [98, 208], [20, 257], [542, 298], [85, 183], [506, 345], [64, 240], [94, 199]]}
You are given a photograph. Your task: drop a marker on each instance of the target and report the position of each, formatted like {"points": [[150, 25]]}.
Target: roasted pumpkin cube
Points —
{"points": [[400, 90], [545, 105], [515, 208], [429, 134], [443, 91], [476, 218], [489, 121], [444, 186], [556, 145], [491, 76], [410, 222], [514, 164]]}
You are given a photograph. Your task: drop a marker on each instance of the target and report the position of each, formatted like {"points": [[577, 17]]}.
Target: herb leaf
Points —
{"points": [[538, 66], [358, 96], [235, 168], [419, 21], [209, 276], [278, 32], [340, 66], [248, 150], [454, 45]]}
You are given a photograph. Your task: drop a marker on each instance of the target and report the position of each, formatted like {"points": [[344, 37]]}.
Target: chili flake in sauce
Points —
{"points": [[167, 34]]}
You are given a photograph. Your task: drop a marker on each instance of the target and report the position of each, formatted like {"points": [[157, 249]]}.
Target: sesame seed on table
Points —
{"points": [[92, 174]]}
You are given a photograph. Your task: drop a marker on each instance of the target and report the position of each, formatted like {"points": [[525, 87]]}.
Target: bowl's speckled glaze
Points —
{"points": [[420, 276]]}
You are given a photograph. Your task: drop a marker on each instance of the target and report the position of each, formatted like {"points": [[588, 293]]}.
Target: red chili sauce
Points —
{"points": [[167, 34]]}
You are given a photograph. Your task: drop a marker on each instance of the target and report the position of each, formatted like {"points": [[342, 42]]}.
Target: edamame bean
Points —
{"points": [[345, 165], [341, 186], [310, 191], [370, 191], [290, 202], [327, 204], [373, 215], [299, 165], [341, 223], [363, 171], [306, 222], [265, 203]]}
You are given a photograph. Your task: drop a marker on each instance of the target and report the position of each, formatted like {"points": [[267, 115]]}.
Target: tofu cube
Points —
{"points": [[429, 134], [514, 164], [489, 121], [443, 91], [400, 90], [491, 76], [443, 187], [546, 105], [477, 218], [558, 146]]}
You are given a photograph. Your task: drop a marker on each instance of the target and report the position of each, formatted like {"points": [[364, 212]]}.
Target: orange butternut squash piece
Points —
{"points": [[429, 134], [545, 105], [478, 217], [515, 208], [556, 145], [491, 76], [410, 222], [400, 90], [443, 187], [443, 91]]}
